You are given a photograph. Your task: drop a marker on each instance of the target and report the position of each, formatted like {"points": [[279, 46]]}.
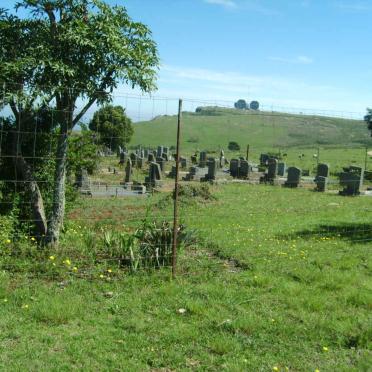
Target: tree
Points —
{"points": [[368, 119], [254, 105], [241, 104], [113, 126], [65, 51]]}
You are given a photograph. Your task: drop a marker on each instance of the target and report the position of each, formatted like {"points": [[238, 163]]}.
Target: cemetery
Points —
{"points": [[141, 231], [142, 171]]}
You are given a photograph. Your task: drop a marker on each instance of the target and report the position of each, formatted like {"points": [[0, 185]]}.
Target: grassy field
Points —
{"points": [[280, 280], [275, 279]]}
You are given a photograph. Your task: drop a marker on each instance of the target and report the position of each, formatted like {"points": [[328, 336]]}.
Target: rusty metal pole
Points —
{"points": [[175, 215], [366, 159], [247, 152]]}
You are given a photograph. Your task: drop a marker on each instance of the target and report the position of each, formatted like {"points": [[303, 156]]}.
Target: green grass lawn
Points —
{"points": [[281, 280]]}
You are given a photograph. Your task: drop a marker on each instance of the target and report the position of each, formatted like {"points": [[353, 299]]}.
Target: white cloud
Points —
{"points": [[301, 60], [225, 3], [354, 6], [288, 93]]}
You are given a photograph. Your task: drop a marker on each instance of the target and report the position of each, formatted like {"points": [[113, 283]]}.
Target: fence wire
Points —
{"points": [[107, 196]]}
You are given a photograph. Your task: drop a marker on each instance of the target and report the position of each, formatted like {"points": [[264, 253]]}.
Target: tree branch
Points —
{"points": [[93, 99]]}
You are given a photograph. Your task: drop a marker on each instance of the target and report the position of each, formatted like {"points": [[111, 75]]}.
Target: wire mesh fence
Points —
{"points": [[119, 185]]}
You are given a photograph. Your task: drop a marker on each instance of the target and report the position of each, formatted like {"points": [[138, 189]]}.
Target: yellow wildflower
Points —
{"points": [[74, 268], [25, 306], [101, 276], [109, 270], [33, 239], [52, 258], [67, 262], [5, 300], [275, 368], [325, 348], [8, 241]]}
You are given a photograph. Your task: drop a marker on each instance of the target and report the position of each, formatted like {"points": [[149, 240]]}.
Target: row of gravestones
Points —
{"points": [[351, 179]]}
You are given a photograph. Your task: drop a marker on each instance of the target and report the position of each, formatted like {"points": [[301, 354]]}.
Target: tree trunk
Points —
{"points": [[37, 204], [58, 208], [36, 199]]}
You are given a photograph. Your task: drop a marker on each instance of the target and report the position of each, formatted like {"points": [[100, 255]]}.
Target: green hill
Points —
{"points": [[214, 127]]}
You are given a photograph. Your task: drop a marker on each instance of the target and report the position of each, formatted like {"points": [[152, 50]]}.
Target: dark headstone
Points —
{"points": [[281, 169], [293, 178], [234, 168]]}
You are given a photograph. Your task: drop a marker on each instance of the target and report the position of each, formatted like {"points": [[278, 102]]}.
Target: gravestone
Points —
{"points": [[244, 169], [321, 183], [321, 178], [264, 158], [272, 169], [293, 178], [82, 181], [322, 170], [146, 153], [154, 177], [281, 169], [172, 173], [352, 180], [194, 159], [161, 163], [165, 156], [183, 162], [212, 170], [133, 157], [123, 157], [128, 172], [190, 176], [202, 159], [234, 168], [159, 151], [150, 157]]}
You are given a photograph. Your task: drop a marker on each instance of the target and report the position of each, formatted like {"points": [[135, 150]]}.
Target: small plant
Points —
{"points": [[233, 146]]}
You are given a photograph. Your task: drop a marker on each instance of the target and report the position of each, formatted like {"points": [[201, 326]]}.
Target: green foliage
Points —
{"points": [[83, 152], [368, 119], [59, 52], [241, 104], [113, 126], [254, 105], [233, 146]]}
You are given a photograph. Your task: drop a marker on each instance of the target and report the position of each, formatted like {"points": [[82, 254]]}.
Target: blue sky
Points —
{"points": [[311, 54]]}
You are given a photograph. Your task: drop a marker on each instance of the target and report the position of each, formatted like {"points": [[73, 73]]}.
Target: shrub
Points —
{"points": [[233, 146]]}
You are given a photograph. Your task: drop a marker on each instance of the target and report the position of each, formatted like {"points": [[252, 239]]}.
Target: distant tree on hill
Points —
{"points": [[368, 119], [254, 105], [113, 126], [241, 104]]}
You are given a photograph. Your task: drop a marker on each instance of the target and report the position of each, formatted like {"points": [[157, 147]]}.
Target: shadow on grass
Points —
{"points": [[355, 233]]}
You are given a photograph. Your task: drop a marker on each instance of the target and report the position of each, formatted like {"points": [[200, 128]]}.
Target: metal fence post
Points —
{"points": [[176, 185]]}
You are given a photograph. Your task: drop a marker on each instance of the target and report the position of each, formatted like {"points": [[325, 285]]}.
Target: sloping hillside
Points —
{"points": [[215, 127]]}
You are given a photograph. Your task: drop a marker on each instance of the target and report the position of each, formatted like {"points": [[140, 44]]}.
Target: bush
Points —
{"points": [[233, 146]]}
